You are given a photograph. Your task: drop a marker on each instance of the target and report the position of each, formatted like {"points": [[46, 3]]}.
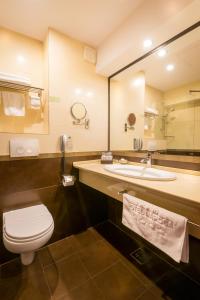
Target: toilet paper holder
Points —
{"points": [[68, 180]]}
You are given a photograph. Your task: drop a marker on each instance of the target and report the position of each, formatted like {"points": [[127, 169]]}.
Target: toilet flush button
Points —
{"points": [[24, 147]]}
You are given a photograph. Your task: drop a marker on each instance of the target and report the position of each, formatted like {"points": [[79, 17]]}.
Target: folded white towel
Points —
{"points": [[35, 101], [14, 104], [164, 229], [152, 111]]}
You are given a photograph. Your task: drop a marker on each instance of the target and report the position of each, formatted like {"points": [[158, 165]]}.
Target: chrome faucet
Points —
{"points": [[147, 159]]}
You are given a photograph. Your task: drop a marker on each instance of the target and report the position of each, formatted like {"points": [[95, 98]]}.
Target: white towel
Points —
{"points": [[35, 101], [164, 229], [14, 104]]}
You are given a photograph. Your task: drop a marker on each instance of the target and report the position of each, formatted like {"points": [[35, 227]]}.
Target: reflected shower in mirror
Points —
{"points": [[163, 91]]}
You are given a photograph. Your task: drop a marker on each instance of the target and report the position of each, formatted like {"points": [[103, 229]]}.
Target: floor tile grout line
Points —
{"points": [[79, 254], [92, 229], [119, 260], [174, 267], [124, 264], [139, 296], [9, 261], [163, 259], [46, 281], [135, 251], [84, 266], [106, 269], [59, 241], [92, 278], [60, 260], [76, 252], [100, 290], [55, 262], [70, 255], [78, 286]]}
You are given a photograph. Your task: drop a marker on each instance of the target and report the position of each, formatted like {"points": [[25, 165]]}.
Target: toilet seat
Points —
{"points": [[27, 224], [29, 239], [26, 230]]}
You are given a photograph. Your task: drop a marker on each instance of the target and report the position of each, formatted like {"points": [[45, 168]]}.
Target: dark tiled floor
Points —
{"points": [[95, 265]]}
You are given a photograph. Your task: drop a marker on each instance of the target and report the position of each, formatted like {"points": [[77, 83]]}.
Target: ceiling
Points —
{"points": [[157, 20], [89, 21], [182, 53]]}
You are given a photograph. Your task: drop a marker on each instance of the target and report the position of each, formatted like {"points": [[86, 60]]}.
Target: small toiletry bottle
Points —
{"points": [[107, 158]]}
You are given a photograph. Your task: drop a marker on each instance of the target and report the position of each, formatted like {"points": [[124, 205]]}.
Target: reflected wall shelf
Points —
{"points": [[150, 115]]}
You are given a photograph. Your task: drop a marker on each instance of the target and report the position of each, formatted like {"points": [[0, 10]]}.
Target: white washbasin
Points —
{"points": [[140, 172]]}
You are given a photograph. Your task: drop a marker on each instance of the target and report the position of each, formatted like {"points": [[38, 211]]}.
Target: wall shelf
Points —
{"points": [[20, 87], [150, 115]]}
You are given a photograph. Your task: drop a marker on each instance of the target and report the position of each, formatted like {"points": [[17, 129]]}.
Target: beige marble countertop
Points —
{"points": [[186, 186]]}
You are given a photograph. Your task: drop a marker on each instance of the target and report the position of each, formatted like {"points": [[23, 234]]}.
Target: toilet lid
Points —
{"points": [[27, 222]]}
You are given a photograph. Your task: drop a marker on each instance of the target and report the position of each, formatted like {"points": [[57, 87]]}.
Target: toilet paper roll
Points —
{"points": [[68, 180]]}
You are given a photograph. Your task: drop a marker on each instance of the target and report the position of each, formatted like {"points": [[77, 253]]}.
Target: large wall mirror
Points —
{"points": [[163, 91]]}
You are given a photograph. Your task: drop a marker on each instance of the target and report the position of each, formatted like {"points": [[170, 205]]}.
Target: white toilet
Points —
{"points": [[26, 230]]}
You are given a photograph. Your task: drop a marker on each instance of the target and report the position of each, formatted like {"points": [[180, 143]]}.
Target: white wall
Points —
{"points": [[67, 71], [155, 19], [126, 98]]}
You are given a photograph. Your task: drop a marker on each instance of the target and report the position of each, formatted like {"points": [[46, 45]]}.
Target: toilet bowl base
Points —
{"points": [[27, 258]]}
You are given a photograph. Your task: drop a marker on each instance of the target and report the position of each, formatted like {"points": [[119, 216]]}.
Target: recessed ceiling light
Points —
{"points": [[162, 52], [89, 94], [147, 43], [78, 91], [21, 59], [170, 67], [138, 81]]}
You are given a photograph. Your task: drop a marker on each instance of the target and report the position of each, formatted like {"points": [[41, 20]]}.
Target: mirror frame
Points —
{"points": [[164, 44], [73, 115]]}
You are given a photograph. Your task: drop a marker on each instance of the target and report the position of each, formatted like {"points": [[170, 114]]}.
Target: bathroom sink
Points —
{"points": [[140, 172]]}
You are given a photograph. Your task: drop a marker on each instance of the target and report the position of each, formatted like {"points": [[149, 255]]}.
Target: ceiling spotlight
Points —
{"points": [[21, 59], [147, 43], [89, 94], [78, 91], [162, 52], [138, 81], [170, 67]]}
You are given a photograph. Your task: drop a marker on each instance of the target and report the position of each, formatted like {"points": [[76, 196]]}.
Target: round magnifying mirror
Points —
{"points": [[131, 119], [78, 111]]}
